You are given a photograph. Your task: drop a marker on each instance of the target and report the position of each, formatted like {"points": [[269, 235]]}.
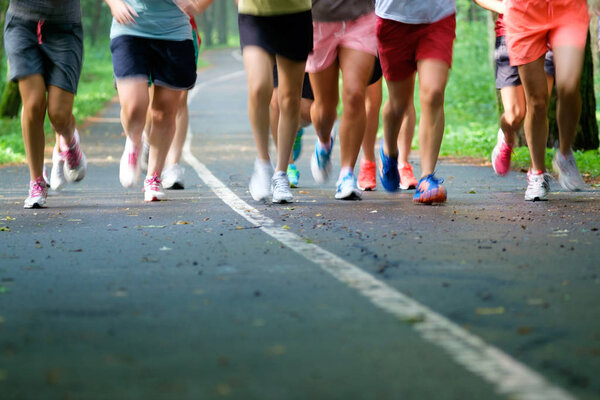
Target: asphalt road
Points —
{"points": [[212, 295]]}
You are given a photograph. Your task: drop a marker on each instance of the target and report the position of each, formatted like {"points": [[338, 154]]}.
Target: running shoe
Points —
{"points": [[280, 186], [320, 163], [538, 185], [172, 177], [347, 189], [407, 178], [75, 164], [153, 189], [366, 175], [568, 174], [298, 144], [293, 175], [57, 174], [260, 183], [38, 191], [430, 190], [129, 170], [501, 155], [388, 171], [45, 175]]}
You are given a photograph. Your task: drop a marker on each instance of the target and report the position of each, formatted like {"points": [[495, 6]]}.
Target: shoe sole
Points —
{"points": [[409, 187], [176, 186], [34, 206], [537, 198], [435, 196], [282, 201], [350, 196]]}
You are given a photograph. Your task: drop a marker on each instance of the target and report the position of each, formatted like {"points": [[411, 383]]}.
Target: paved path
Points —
{"points": [[212, 295]]}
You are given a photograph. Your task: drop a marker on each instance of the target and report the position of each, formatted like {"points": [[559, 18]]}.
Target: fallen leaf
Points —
{"points": [[373, 212], [536, 302], [286, 227], [165, 248], [239, 227], [303, 192], [74, 220], [8, 218], [472, 192], [3, 289], [524, 330], [319, 215], [489, 310], [152, 226], [182, 223], [4, 229]]}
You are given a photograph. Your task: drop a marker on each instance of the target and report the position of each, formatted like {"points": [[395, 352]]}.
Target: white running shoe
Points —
{"points": [[153, 189], [172, 177], [347, 188], [129, 170], [280, 186], [38, 191], [75, 163], [260, 183], [57, 174], [538, 186], [568, 174]]}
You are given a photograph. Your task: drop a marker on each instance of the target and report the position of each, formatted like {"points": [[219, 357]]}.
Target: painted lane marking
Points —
{"points": [[509, 376]]}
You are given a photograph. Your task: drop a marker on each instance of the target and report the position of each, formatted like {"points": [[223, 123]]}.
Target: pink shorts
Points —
{"points": [[402, 45], [533, 24], [358, 34]]}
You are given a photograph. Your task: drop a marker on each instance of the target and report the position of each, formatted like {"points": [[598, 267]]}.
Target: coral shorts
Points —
{"points": [[358, 34], [402, 45], [533, 24]]}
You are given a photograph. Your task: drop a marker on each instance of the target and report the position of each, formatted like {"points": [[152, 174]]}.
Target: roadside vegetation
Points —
{"points": [[471, 104]]}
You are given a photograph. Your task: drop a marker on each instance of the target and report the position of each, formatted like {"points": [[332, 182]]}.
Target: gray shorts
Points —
{"points": [[53, 50], [508, 75]]}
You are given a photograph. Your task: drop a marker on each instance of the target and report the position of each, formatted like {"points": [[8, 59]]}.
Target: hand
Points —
{"points": [[122, 12]]}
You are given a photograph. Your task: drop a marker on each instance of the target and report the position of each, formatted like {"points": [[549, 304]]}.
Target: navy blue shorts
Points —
{"points": [[288, 35], [508, 75], [377, 72], [167, 63], [53, 50]]}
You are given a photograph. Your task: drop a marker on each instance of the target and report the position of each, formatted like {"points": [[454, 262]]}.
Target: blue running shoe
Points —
{"points": [[298, 144], [430, 190], [320, 162], [347, 189], [293, 175], [388, 171]]}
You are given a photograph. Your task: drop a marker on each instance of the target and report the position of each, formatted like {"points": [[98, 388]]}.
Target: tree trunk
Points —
{"points": [[97, 19], [3, 8], [206, 23], [222, 22], [11, 100], [587, 129]]}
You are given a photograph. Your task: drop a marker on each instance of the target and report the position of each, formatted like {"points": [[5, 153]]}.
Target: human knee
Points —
{"points": [[568, 90], [354, 99], [514, 115], [431, 96], [260, 92], [60, 117], [35, 106], [289, 103], [538, 103]]}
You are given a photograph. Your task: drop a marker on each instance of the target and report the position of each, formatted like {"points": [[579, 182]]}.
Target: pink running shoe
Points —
{"points": [[74, 160], [366, 175], [407, 177], [501, 155], [130, 170], [38, 191], [153, 189]]}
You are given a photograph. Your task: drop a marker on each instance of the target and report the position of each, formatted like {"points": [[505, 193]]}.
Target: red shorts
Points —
{"points": [[402, 45], [533, 24]]}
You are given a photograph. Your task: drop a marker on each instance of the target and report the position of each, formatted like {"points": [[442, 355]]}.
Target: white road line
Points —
{"points": [[506, 374]]}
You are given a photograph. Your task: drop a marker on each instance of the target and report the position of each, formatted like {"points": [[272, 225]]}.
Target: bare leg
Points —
{"points": [[394, 111], [33, 93], [535, 86], [60, 113], [407, 131], [164, 112], [324, 109], [259, 71], [433, 76], [181, 128], [373, 106], [134, 99], [291, 74], [513, 100]]}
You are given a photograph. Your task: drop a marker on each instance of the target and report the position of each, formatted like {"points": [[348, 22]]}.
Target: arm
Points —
{"points": [[496, 6], [122, 12], [192, 7]]}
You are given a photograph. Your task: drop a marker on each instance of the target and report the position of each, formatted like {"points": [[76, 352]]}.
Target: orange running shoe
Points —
{"points": [[430, 190], [407, 178], [366, 175]]}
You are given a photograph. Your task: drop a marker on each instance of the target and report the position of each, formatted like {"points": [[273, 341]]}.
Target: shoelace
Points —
{"points": [[505, 152], [153, 183], [280, 183], [73, 156], [133, 158], [37, 187]]}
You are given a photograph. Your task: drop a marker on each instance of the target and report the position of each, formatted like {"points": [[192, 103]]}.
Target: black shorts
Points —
{"points": [[377, 72], [508, 75], [307, 92], [167, 63], [53, 50], [288, 35]]}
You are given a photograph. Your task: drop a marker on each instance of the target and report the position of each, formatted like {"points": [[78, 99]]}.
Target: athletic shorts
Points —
{"points": [[402, 45], [358, 34], [288, 35], [533, 24], [508, 75], [53, 50], [167, 63], [307, 92], [377, 72]]}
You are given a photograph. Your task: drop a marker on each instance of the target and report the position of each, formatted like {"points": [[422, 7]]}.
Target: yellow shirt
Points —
{"points": [[273, 7]]}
